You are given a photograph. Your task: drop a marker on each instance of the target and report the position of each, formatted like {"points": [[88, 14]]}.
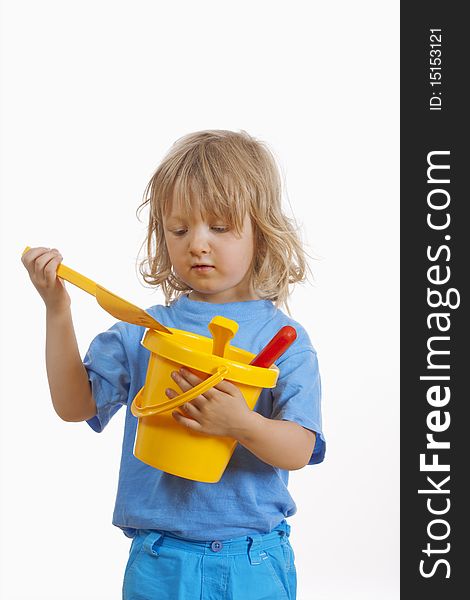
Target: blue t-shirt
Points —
{"points": [[252, 496]]}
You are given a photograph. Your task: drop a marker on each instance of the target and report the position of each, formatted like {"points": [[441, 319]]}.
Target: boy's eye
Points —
{"points": [[179, 231], [220, 228]]}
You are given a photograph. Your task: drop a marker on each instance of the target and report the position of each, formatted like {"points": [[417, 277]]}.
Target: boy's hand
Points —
{"points": [[41, 264], [221, 411]]}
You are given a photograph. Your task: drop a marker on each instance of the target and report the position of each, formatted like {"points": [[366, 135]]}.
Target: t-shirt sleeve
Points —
{"points": [[297, 396], [108, 372]]}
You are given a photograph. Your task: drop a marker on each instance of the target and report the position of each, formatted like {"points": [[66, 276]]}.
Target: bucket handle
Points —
{"points": [[201, 388]]}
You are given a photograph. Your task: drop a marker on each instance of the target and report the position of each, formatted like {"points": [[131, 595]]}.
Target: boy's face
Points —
{"points": [[209, 256]]}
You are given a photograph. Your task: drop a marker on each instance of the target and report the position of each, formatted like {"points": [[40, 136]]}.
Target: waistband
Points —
{"points": [[251, 543]]}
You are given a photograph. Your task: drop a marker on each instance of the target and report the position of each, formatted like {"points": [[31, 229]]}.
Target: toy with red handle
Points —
{"points": [[277, 346]]}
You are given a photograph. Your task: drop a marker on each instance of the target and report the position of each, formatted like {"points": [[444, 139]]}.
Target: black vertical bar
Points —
{"points": [[435, 259]]}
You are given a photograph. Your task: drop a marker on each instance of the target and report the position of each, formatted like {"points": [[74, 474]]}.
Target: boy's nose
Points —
{"points": [[199, 244]]}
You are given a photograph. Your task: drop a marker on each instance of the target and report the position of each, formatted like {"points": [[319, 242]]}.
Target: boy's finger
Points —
{"points": [[32, 251], [187, 382], [227, 387], [181, 381], [189, 376], [50, 270], [223, 386], [47, 265], [195, 380], [31, 254], [187, 422]]}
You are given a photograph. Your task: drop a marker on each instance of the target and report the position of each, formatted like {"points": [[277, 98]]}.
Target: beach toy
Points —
{"points": [[161, 441], [168, 445], [275, 347]]}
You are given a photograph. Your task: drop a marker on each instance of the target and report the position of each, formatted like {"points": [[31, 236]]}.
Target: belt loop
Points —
{"points": [[254, 549], [283, 528], [150, 541], [287, 529]]}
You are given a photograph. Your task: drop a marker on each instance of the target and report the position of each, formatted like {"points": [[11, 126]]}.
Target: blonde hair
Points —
{"points": [[228, 174]]}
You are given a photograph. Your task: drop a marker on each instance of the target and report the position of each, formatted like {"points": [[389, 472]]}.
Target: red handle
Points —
{"points": [[277, 346]]}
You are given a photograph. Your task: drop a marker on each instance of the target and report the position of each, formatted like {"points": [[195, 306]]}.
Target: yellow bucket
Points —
{"points": [[169, 446]]}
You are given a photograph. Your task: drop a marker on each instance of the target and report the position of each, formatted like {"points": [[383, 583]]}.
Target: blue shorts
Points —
{"points": [[163, 566]]}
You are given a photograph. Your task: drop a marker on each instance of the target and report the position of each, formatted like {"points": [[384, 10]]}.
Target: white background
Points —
{"points": [[94, 94]]}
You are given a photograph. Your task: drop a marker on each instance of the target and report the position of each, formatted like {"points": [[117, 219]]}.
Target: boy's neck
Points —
{"points": [[220, 298]]}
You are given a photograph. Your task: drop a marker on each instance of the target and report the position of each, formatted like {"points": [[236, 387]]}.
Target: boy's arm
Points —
{"points": [[283, 444], [68, 379]]}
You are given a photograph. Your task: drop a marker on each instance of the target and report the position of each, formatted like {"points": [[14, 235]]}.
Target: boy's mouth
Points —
{"points": [[202, 267]]}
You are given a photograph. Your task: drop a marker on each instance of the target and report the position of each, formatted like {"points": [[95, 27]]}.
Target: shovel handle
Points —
{"points": [[87, 285], [77, 279], [275, 347]]}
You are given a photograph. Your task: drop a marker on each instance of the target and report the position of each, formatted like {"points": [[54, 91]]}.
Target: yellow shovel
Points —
{"points": [[118, 307]]}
